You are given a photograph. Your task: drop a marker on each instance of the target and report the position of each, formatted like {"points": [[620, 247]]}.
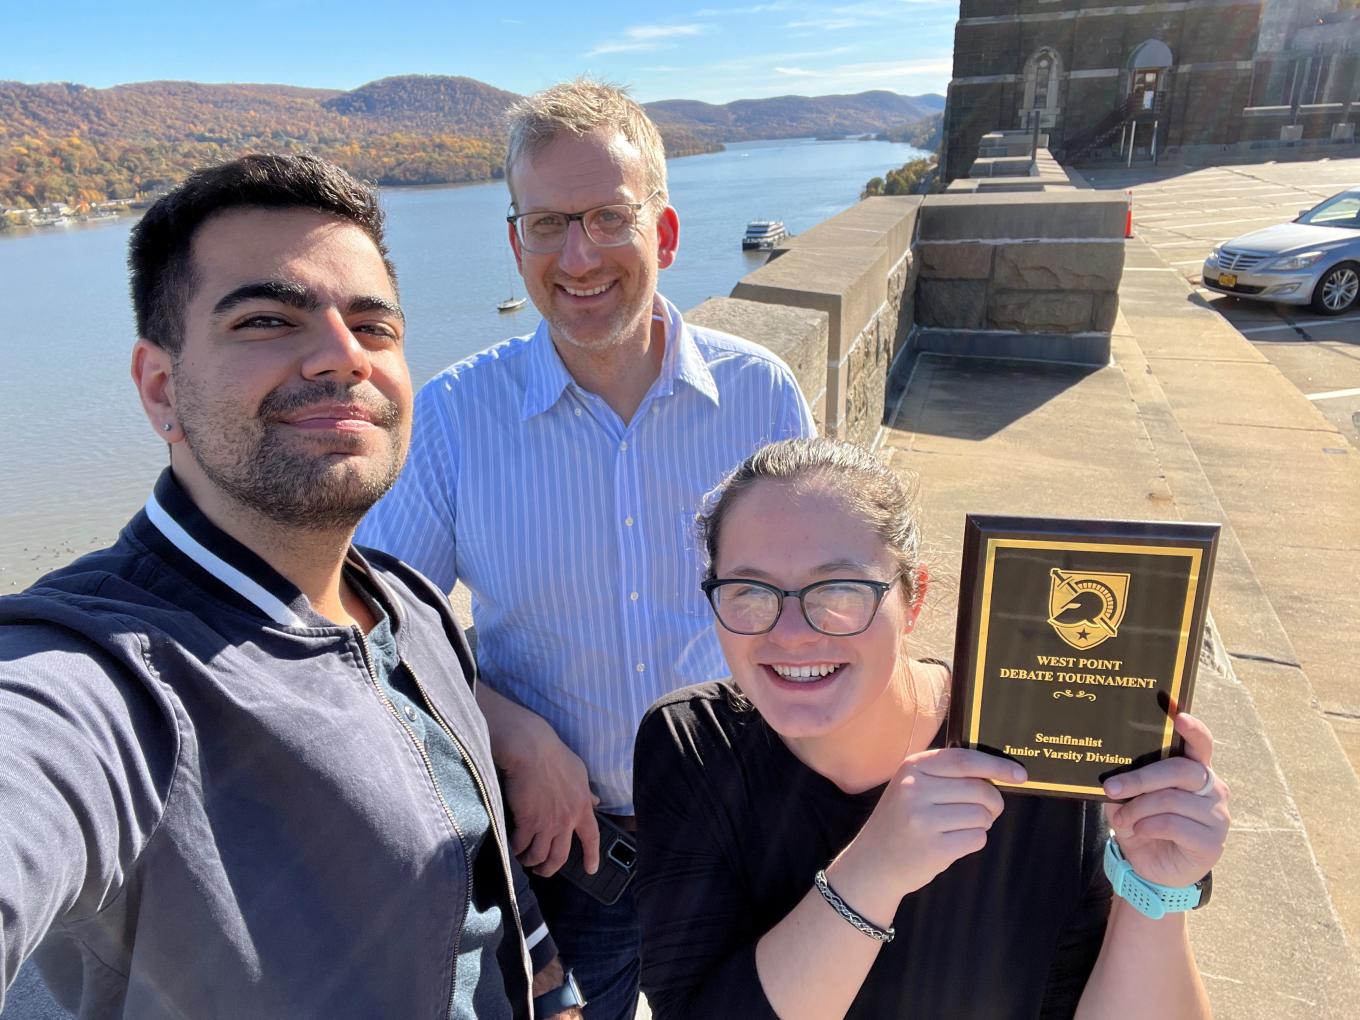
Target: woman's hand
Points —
{"points": [[936, 809], [1168, 830]]}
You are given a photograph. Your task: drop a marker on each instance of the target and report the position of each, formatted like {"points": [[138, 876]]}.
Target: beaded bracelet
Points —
{"points": [[848, 912]]}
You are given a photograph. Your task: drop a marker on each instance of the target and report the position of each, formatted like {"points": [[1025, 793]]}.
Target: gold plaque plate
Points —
{"points": [[1077, 644]]}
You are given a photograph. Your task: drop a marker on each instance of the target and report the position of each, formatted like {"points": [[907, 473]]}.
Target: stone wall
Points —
{"points": [[837, 304], [1020, 276], [1213, 44]]}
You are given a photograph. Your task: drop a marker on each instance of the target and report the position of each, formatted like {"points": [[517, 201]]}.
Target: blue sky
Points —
{"points": [[687, 50]]}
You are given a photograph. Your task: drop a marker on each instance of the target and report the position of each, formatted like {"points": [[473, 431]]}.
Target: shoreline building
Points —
{"points": [[1180, 78]]}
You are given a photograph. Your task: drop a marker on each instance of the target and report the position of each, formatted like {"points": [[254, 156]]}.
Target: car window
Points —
{"points": [[1341, 211]]}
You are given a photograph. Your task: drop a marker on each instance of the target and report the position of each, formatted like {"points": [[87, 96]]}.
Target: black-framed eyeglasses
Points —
{"points": [[607, 226], [838, 607]]}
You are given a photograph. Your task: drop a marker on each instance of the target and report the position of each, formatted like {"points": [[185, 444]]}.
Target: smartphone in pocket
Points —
{"points": [[618, 863]]}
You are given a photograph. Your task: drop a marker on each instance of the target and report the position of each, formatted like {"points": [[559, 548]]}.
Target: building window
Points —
{"points": [[1303, 79]]}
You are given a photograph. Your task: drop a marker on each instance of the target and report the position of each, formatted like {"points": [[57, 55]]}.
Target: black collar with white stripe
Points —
{"points": [[181, 532]]}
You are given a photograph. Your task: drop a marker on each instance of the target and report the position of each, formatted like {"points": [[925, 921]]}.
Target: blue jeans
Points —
{"points": [[598, 942]]}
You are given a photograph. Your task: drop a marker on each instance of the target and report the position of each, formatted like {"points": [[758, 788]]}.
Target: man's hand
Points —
{"points": [[548, 792], [547, 788]]}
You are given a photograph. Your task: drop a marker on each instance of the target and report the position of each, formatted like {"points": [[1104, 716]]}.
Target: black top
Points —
{"points": [[733, 827]]}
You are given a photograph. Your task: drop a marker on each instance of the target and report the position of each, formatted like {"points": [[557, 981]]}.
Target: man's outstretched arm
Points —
{"points": [[86, 756]]}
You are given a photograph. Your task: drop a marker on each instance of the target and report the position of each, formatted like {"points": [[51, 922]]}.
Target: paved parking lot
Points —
{"points": [[1181, 213]]}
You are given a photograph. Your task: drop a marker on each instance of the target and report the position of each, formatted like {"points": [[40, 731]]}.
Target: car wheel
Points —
{"points": [[1338, 289]]}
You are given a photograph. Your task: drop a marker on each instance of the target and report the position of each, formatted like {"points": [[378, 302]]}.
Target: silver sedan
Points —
{"points": [[1315, 260]]}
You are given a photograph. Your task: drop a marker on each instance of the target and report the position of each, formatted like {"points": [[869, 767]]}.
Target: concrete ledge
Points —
{"points": [[797, 335], [1074, 349], [848, 287], [887, 221], [1003, 166], [1061, 215]]}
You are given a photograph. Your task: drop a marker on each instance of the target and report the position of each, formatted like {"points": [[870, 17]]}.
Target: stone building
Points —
{"points": [[1157, 78]]}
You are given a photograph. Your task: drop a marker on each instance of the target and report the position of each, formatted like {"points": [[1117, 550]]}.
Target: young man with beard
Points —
{"points": [[557, 475], [242, 771]]}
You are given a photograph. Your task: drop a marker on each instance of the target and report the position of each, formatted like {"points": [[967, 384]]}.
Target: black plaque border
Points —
{"points": [[983, 533]]}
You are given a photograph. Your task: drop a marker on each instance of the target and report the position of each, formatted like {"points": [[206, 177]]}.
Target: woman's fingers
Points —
{"points": [[1125, 817], [959, 817], [1194, 839], [1199, 742], [965, 763], [1181, 773]]}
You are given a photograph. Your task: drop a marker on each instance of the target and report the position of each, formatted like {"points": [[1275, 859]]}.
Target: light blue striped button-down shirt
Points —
{"points": [[575, 532]]}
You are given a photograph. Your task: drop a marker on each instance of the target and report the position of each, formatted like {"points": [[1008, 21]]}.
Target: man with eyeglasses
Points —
{"points": [[557, 475]]}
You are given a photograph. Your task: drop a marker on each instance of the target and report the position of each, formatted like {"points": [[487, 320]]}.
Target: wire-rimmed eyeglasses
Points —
{"points": [[607, 226], [838, 607]]}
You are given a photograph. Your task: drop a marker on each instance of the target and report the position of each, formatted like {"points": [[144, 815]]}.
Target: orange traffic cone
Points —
{"points": [[1128, 216]]}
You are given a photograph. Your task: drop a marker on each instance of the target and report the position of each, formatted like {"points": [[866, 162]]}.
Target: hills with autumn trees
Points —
{"points": [[62, 142]]}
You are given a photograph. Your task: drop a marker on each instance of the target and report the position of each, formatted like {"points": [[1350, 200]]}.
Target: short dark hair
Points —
{"points": [[160, 250]]}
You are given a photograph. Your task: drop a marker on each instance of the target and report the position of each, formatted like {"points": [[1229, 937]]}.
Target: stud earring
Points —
{"points": [[167, 426]]}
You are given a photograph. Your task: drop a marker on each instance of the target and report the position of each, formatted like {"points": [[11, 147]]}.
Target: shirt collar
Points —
{"points": [[683, 362], [548, 377], [179, 525]]}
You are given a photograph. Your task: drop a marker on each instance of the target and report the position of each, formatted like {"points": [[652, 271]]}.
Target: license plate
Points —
{"points": [[1227, 280]]}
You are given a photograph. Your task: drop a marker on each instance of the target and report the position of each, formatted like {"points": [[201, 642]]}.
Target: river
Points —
{"points": [[81, 456]]}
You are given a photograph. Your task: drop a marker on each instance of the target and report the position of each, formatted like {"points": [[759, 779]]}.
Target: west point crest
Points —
{"points": [[1086, 608]]}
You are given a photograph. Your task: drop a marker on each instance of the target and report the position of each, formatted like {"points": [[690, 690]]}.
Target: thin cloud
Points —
{"points": [[829, 24], [641, 38], [662, 31], [729, 12]]}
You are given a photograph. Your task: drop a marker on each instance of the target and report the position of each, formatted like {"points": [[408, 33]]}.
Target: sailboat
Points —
{"points": [[512, 302]]}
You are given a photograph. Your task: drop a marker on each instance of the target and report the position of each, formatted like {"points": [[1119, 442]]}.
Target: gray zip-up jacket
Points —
{"points": [[208, 807]]}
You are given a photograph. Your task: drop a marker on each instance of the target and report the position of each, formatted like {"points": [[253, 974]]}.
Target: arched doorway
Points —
{"points": [[1148, 73]]}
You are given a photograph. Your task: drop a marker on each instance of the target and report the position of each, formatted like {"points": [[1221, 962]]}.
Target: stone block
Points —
{"points": [[1002, 166], [955, 261], [1064, 214], [1025, 311], [1059, 265], [798, 335], [1104, 311], [958, 304]]}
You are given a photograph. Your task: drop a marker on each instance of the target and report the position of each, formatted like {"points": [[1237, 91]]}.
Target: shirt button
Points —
{"points": [[623, 446], [628, 521], [578, 412], [410, 713], [642, 667], [633, 595]]}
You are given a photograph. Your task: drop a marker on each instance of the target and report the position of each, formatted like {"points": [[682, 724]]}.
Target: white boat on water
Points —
{"points": [[511, 303], [762, 235]]}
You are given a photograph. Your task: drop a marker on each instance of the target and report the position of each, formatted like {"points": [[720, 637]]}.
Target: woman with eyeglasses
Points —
{"points": [[810, 849]]}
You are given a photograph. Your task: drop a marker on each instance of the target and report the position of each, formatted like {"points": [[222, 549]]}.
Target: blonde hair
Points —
{"points": [[582, 106]]}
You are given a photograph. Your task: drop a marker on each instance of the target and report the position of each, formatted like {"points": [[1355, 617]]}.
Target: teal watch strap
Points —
{"points": [[1149, 898], [564, 996]]}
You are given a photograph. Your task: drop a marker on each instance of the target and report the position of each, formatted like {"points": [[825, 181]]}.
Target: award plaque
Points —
{"points": [[1077, 644]]}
